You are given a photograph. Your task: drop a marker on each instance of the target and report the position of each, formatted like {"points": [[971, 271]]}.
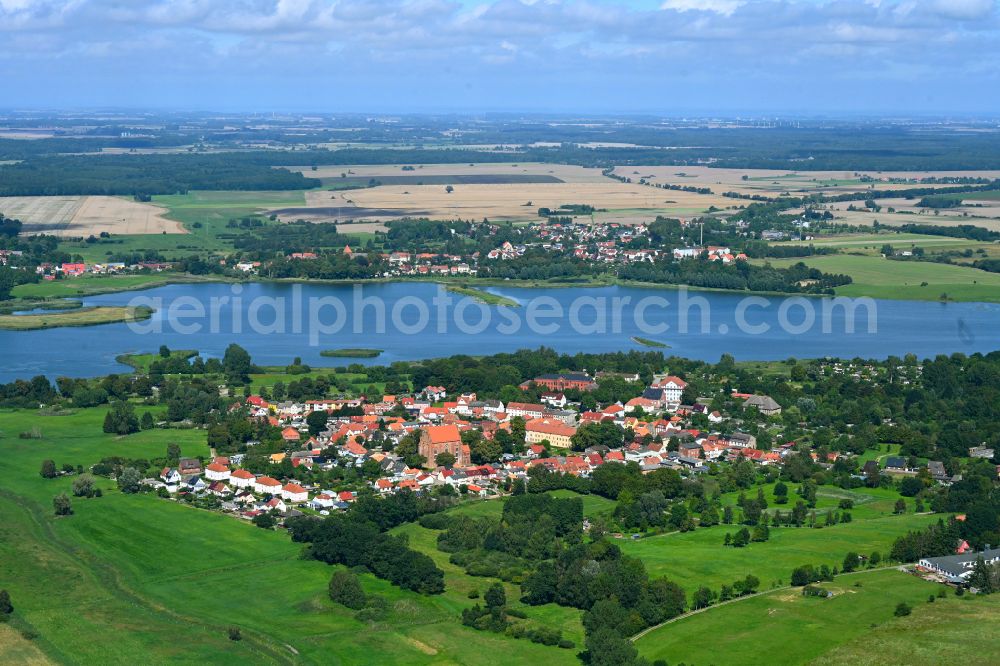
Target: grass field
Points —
{"points": [[791, 629], [698, 557], [481, 295], [130, 578], [77, 317], [136, 578], [962, 630], [90, 285], [141, 362], [903, 280]]}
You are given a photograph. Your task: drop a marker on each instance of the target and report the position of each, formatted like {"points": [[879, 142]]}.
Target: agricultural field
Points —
{"points": [[873, 242], [982, 213], [772, 182], [496, 173], [73, 216], [622, 202], [792, 629], [905, 280]]}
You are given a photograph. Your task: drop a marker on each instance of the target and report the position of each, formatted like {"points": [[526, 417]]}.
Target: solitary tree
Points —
{"points": [[61, 505], [850, 562], [128, 480], [444, 459], [48, 469], [317, 421], [345, 589]]}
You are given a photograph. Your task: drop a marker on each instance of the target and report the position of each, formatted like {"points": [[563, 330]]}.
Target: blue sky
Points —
{"points": [[671, 57]]}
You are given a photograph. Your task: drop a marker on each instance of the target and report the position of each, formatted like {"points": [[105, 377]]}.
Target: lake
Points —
{"points": [[416, 320]]}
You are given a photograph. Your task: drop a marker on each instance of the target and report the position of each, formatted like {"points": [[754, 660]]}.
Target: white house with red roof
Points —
{"points": [[293, 492], [241, 479], [217, 472], [266, 484], [671, 386]]}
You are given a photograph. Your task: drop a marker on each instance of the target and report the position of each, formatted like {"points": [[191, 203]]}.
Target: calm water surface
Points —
{"points": [[589, 321]]}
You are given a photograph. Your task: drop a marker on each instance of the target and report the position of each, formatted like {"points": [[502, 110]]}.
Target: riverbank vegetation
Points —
{"points": [[92, 316]]}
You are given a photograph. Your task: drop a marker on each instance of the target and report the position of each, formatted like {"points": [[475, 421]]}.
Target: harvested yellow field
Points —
{"points": [[981, 214], [73, 216], [771, 182], [565, 172], [623, 202]]}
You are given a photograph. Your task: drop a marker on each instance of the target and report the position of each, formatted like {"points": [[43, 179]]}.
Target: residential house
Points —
{"points": [[268, 485], [217, 472], [293, 492], [555, 431], [765, 404], [241, 479], [525, 409]]}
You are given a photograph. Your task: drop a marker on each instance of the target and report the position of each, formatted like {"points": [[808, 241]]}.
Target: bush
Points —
{"points": [[264, 521], [435, 521], [61, 505], [83, 486], [234, 634], [345, 589], [902, 609], [48, 469]]}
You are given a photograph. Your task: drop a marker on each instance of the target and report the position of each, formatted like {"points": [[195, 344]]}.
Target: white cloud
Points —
{"points": [[724, 7], [966, 10]]}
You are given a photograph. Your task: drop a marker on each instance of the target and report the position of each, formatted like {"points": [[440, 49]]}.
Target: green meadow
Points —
{"points": [[132, 578], [698, 557], [140, 579], [905, 280], [90, 285], [783, 627]]}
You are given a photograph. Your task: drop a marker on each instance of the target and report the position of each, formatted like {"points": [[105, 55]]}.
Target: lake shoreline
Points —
{"points": [[470, 284]]}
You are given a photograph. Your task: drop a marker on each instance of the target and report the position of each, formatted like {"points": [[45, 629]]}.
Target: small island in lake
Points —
{"points": [[351, 353], [646, 342]]}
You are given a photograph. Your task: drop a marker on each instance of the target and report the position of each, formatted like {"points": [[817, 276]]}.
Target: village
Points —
{"points": [[658, 434]]}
